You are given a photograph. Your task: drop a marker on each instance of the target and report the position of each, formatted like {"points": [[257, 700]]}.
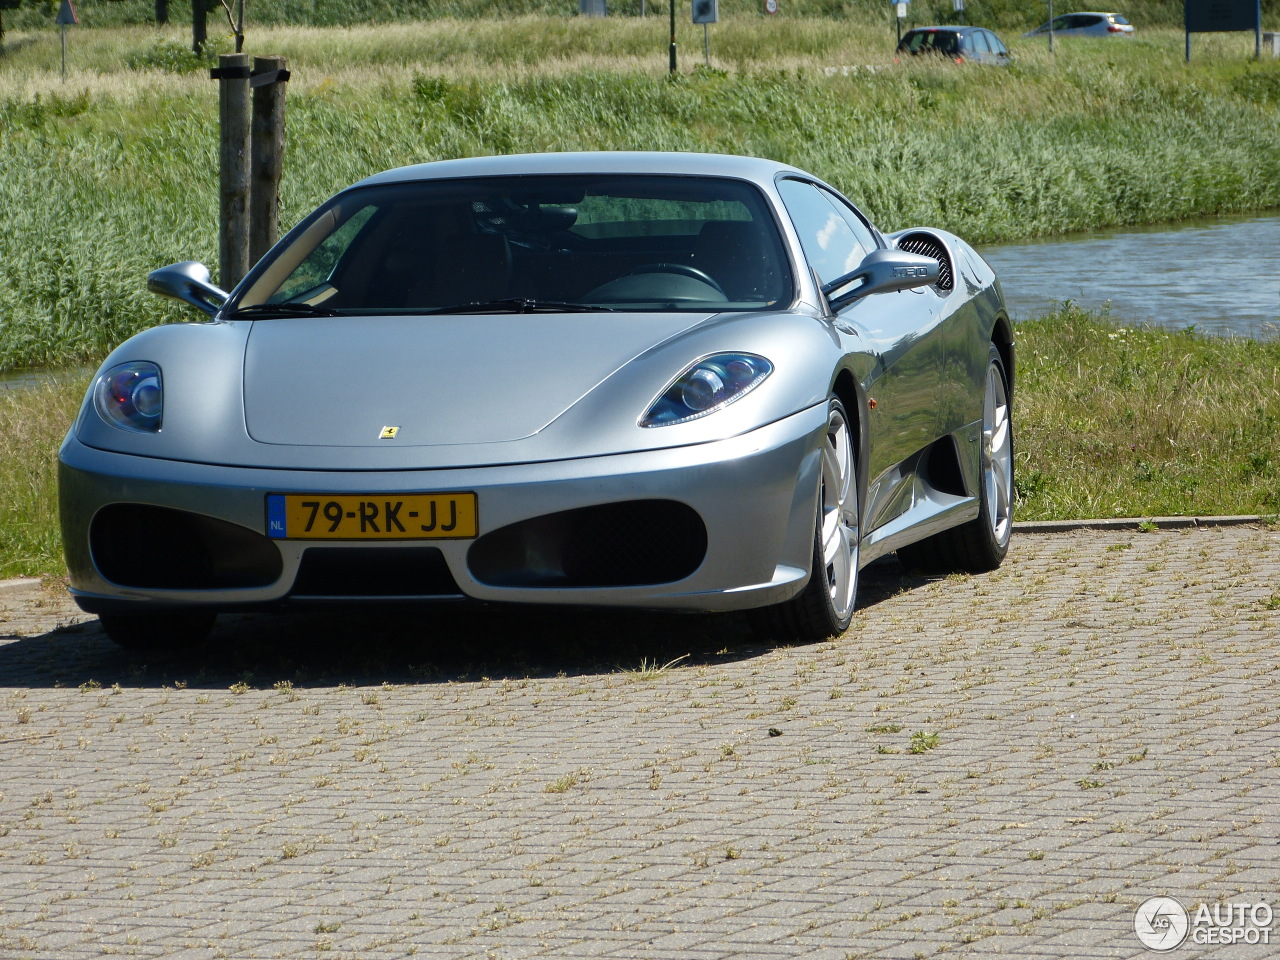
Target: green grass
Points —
{"points": [[32, 423], [1117, 421]]}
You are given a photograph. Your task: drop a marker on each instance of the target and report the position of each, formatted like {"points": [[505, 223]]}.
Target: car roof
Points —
{"points": [[943, 29], [589, 162]]}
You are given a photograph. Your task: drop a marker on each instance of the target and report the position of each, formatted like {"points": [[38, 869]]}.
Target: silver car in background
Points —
{"points": [[634, 380], [1086, 23]]}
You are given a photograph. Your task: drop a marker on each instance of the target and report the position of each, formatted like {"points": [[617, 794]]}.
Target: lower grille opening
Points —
{"points": [[159, 548], [637, 543], [374, 572]]}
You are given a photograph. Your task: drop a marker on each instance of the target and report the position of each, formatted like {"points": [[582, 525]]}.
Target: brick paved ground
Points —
{"points": [[1005, 764]]}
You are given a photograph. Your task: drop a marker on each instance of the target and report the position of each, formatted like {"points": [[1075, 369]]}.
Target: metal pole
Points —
{"points": [[671, 53], [267, 154], [706, 43], [233, 168], [1051, 26], [64, 53], [1186, 26]]}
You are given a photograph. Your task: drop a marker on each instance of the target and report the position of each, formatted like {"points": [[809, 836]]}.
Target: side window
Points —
{"points": [[979, 41], [831, 244], [863, 233], [997, 47]]}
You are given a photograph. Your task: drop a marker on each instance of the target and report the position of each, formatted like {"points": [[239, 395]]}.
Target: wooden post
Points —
{"points": [[233, 167], [269, 77]]}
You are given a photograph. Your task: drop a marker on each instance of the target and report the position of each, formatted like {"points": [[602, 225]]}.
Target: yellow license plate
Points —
{"points": [[381, 516]]}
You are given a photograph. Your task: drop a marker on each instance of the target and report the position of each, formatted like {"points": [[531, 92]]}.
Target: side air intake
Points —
{"points": [[927, 245]]}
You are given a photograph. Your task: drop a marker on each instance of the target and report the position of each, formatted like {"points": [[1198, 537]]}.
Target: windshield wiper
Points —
{"points": [[520, 305], [289, 309]]}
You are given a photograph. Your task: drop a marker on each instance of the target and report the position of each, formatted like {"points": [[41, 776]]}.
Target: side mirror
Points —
{"points": [[188, 282], [882, 271]]}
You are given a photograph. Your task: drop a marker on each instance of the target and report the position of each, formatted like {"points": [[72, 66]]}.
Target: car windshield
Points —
{"points": [[526, 244], [931, 41]]}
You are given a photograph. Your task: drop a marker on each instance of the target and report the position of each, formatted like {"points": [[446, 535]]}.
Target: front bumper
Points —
{"points": [[755, 495]]}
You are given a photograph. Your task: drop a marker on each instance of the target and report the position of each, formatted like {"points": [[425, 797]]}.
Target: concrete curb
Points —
{"points": [[1137, 523]]}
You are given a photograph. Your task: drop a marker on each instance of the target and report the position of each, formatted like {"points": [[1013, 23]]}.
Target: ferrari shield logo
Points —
{"points": [[388, 433]]}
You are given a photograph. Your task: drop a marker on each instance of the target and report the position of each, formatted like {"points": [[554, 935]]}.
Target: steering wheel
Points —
{"points": [[681, 268]]}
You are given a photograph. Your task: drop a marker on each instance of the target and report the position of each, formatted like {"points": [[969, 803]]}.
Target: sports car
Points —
{"points": [[634, 380]]}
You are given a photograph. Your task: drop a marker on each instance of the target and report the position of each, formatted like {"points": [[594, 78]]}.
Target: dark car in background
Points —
{"points": [[962, 44]]}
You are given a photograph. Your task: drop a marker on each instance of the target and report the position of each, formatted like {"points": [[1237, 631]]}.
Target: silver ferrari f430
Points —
{"points": [[634, 380]]}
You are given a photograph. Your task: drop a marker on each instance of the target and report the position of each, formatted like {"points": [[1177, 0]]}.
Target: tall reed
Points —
{"points": [[113, 173], [1011, 14]]}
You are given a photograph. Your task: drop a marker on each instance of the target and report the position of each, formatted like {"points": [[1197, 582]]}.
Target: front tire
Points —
{"points": [[824, 608], [142, 632]]}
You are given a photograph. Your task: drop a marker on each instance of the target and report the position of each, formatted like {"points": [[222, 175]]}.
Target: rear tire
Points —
{"points": [[157, 631], [981, 544], [824, 608]]}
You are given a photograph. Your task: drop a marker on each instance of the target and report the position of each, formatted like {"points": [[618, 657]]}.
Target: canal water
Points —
{"points": [[1220, 276], [21, 380]]}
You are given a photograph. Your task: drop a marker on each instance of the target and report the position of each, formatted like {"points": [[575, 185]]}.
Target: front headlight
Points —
{"points": [[131, 396], [709, 385]]}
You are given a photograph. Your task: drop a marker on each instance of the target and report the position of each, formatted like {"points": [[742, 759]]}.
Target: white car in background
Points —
{"points": [[1086, 24]]}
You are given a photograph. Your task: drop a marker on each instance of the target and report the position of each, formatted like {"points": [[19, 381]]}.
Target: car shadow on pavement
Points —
{"points": [[423, 644]]}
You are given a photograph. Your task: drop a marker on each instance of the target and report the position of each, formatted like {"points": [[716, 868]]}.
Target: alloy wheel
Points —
{"points": [[997, 455], [839, 515]]}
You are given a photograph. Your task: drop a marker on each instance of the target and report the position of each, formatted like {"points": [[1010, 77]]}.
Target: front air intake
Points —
{"points": [[159, 548], [636, 543]]}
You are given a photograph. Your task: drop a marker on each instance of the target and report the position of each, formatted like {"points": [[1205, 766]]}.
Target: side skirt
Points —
{"points": [[936, 486], [933, 512]]}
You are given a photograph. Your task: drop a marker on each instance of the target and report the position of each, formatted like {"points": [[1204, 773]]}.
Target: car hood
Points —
{"points": [[437, 380], [316, 393]]}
